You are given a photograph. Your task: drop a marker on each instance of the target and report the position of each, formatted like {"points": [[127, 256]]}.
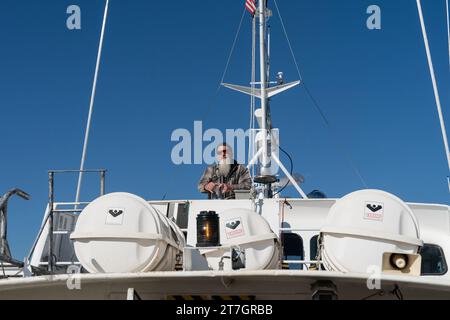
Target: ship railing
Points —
{"points": [[58, 208], [54, 208]]}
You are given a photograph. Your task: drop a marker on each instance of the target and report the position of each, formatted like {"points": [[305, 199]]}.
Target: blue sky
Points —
{"points": [[161, 66]]}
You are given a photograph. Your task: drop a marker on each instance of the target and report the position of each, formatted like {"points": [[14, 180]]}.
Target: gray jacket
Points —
{"points": [[239, 178]]}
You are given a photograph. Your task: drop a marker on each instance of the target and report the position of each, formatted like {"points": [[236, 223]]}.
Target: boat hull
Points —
{"points": [[261, 285]]}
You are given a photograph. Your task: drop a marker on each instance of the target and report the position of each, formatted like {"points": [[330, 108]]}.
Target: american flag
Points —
{"points": [[250, 5]]}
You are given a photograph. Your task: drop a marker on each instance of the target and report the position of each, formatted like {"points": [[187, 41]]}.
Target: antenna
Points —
{"points": [[448, 29], [434, 82], [264, 93], [91, 106]]}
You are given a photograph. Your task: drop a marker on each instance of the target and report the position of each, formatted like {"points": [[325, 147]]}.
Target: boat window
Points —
{"points": [[433, 261], [313, 247], [293, 250]]}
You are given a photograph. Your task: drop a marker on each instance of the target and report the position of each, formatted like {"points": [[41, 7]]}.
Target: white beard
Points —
{"points": [[225, 167]]}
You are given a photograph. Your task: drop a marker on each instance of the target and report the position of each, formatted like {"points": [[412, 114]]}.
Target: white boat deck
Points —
{"points": [[271, 284]]}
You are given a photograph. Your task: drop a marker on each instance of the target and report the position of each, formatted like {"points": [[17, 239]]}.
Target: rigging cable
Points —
{"points": [[433, 80], [292, 171], [314, 101], [213, 99], [91, 106]]}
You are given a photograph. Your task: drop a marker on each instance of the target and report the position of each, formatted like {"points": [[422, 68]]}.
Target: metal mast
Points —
{"points": [[264, 93], [265, 165]]}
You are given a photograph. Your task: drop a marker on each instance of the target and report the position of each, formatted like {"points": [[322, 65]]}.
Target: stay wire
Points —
{"points": [[214, 98], [216, 94], [314, 100]]}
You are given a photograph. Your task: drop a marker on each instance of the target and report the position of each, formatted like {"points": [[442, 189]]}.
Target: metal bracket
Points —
{"points": [[132, 295]]}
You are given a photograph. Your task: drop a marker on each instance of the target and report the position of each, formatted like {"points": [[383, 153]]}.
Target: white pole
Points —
{"points": [[289, 176], [254, 159], [268, 52], [433, 79], [265, 170], [91, 106], [251, 148]]}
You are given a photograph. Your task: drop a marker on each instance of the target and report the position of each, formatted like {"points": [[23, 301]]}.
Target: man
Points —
{"points": [[221, 180]]}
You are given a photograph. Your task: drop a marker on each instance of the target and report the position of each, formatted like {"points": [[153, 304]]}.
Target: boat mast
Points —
{"points": [[265, 175], [265, 166]]}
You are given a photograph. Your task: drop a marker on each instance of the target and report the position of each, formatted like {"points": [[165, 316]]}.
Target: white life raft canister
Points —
{"points": [[250, 233], [364, 226], [122, 233]]}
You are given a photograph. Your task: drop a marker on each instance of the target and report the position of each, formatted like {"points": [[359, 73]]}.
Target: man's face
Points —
{"points": [[223, 152]]}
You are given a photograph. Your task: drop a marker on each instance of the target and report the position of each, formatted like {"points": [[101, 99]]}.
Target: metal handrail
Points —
{"points": [[301, 261], [52, 209], [67, 211]]}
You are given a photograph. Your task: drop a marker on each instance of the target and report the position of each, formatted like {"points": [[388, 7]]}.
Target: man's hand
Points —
{"points": [[226, 188], [210, 187]]}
